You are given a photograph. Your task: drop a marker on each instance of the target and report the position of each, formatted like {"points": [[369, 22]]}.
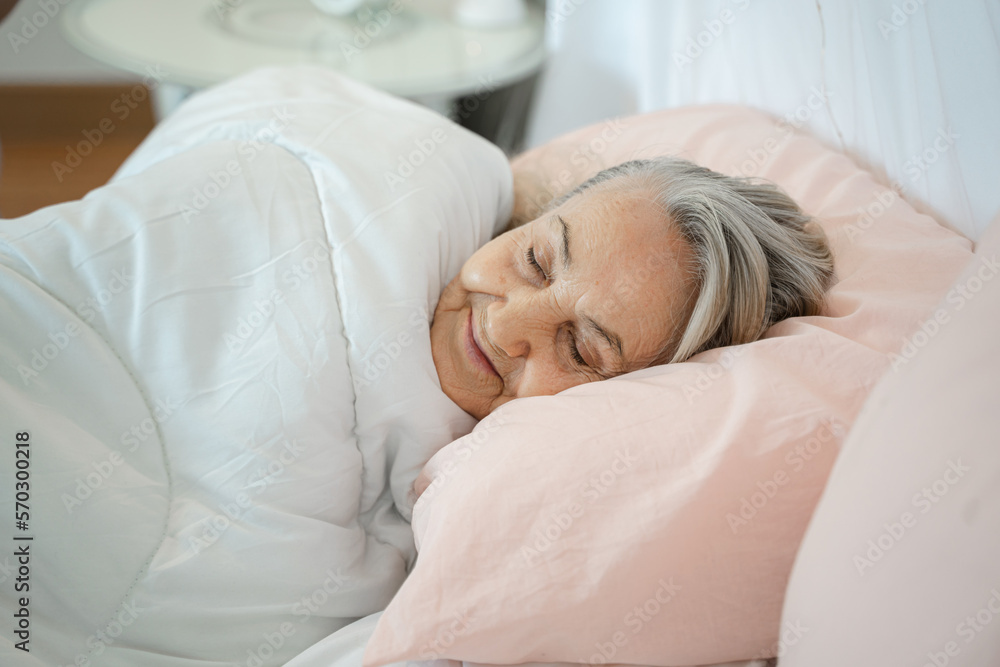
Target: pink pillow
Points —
{"points": [[906, 564], [653, 518]]}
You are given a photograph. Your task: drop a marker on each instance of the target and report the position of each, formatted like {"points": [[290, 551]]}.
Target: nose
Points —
{"points": [[521, 322]]}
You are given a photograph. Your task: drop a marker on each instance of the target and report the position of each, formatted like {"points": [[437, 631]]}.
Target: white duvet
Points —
{"points": [[221, 363]]}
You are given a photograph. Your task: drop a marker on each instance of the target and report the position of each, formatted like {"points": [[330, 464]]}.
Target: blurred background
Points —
{"points": [[908, 88], [49, 93], [94, 76]]}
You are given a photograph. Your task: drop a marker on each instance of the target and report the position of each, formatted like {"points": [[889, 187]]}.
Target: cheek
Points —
{"points": [[452, 295], [568, 380], [548, 380]]}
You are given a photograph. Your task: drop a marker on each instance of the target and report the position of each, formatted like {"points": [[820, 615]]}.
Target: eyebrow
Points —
{"points": [[566, 259], [614, 340]]}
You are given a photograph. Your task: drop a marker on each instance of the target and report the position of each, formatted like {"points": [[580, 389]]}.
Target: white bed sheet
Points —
{"points": [[346, 647], [223, 361]]}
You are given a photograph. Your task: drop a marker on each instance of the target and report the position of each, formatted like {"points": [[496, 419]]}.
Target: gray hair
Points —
{"points": [[758, 259]]}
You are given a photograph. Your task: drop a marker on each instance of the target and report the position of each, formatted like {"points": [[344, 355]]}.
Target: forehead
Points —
{"points": [[630, 269]]}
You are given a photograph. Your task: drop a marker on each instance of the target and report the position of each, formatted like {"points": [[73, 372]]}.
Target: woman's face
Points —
{"points": [[610, 287]]}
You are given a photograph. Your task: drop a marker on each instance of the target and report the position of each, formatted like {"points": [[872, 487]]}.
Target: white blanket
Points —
{"points": [[222, 364]]}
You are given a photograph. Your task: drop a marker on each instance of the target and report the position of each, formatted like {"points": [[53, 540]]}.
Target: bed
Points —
{"points": [[231, 457]]}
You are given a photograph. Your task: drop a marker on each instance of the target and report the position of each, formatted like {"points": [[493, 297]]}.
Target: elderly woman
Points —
{"points": [[646, 263], [255, 314]]}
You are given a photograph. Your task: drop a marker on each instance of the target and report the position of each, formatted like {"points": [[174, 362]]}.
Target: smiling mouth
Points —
{"points": [[475, 350]]}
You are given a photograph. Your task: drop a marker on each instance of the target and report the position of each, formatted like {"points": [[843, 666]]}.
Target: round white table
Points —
{"points": [[411, 48]]}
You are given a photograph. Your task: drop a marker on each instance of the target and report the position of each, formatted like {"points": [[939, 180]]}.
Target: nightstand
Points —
{"points": [[482, 78]]}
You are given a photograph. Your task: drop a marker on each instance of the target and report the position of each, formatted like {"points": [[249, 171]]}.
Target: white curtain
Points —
{"points": [[909, 88]]}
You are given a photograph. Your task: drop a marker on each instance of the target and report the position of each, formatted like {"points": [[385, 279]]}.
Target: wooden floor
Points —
{"points": [[57, 143]]}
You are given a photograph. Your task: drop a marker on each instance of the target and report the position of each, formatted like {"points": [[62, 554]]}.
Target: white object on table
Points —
{"points": [[489, 13], [337, 7]]}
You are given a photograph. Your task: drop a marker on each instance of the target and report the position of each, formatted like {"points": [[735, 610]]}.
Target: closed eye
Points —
{"points": [[574, 351], [530, 256]]}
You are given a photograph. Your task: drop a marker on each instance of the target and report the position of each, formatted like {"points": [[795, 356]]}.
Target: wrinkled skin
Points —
{"points": [[630, 272]]}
